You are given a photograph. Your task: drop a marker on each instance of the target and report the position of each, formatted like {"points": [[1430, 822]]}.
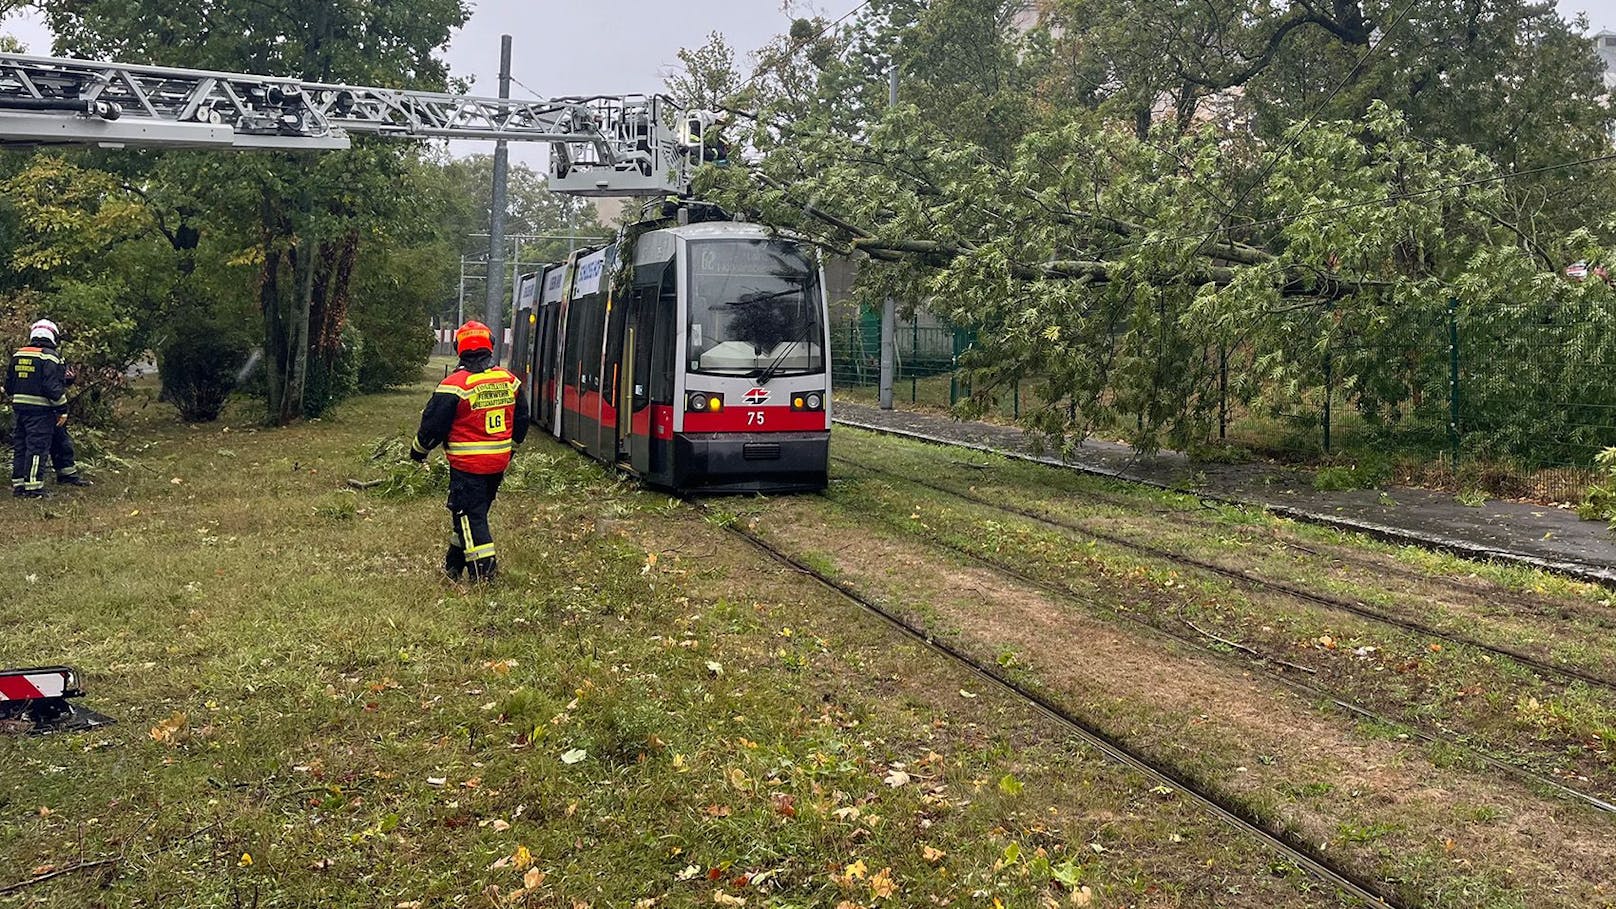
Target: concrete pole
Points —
{"points": [[494, 301], [460, 301], [889, 309]]}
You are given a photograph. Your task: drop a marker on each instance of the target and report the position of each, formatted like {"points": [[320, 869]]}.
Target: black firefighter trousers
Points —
{"points": [[471, 543], [35, 438]]}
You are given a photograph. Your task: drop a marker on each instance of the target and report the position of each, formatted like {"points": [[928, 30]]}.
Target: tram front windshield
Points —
{"points": [[754, 309]]}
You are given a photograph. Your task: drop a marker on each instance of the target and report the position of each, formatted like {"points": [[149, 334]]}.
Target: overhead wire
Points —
{"points": [[791, 51]]}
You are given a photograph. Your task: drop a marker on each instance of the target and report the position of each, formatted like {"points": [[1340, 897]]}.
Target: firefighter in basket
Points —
{"points": [[479, 415]]}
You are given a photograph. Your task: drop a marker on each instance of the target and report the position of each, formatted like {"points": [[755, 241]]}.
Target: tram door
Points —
{"points": [[653, 296]]}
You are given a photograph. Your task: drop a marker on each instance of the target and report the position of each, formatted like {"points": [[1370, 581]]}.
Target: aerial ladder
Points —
{"points": [[601, 145]]}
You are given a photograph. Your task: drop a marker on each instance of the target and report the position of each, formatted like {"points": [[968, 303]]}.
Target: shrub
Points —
{"points": [[334, 377], [1360, 475], [1599, 502], [200, 364]]}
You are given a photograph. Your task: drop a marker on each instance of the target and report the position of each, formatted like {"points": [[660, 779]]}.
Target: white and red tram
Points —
{"points": [[700, 365]]}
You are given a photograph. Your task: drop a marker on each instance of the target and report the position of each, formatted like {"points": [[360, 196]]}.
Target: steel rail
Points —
{"points": [[1474, 552], [1571, 673], [1273, 665], [1292, 848]]}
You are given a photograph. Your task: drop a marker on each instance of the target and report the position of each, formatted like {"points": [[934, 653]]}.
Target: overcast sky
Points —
{"points": [[624, 46], [596, 47]]}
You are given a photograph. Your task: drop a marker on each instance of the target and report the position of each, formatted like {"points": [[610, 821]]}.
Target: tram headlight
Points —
{"points": [[706, 402], [812, 400], [816, 401]]}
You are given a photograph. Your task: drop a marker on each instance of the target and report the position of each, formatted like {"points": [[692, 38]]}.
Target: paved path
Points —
{"points": [[1537, 535]]}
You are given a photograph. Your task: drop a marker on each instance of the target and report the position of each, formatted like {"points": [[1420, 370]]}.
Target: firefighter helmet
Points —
{"points": [[44, 328], [473, 335]]}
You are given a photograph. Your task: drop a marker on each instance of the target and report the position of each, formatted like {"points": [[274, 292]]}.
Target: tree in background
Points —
{"points": [[1068, 190], [310, 216]]}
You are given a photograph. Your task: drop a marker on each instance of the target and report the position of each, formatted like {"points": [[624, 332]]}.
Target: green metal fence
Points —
{"points": [[1516, 399]]}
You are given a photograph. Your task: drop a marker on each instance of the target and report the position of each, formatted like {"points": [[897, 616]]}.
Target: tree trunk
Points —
{"points": [[269, 301], [297, 339]]}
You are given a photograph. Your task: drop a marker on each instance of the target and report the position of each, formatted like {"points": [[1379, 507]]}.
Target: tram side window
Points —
{"points": [[577, 315], [667, 337], [589, 353]]}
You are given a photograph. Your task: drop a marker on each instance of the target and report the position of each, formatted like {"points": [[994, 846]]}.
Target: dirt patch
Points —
{"points": [[1382, 805]]}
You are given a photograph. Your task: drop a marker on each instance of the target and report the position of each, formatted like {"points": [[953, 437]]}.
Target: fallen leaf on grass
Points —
{"points": [[522, 858], [688, 873], [857, 871], [932, 855], [533, 878], [881, 885], [437, 781], [1436, 648], [573, 756], [168, 731], [721, 898], [246, 860], [715, 668], [966, 694], [718, 811], [408, 904], [896, 779]]}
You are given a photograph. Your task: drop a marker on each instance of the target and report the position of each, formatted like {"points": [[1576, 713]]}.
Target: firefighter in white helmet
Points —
{"points": [[37, 386]]}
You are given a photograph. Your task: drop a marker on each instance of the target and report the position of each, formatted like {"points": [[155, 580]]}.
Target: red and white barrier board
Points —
{"points": [[35, 684]]}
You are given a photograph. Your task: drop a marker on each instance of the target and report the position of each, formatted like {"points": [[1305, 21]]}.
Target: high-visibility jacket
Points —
{"points": [[37, 378], [478, 414]]}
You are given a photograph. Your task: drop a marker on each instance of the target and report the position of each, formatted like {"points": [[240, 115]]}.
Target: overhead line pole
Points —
{"points": [[494, 301], [889, 308]]}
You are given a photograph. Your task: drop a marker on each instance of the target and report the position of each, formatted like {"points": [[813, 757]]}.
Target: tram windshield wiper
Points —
{"points": [[768, 372]]}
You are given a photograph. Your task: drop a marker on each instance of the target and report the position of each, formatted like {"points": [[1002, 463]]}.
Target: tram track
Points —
{"points": [[1251, 581], [1461, 548], [1276, 669], [1292, 848]]}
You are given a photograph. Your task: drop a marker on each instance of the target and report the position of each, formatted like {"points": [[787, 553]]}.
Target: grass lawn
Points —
{"points": [[641, 713]]}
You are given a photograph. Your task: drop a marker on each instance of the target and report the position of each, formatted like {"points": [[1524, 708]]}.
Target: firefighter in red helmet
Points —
{"points": [[478, 414]]}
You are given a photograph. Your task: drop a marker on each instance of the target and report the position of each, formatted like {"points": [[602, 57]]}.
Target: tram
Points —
{"points": [[691, 355]]}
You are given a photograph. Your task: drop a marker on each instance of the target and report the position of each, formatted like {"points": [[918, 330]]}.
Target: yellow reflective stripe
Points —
{"points": [[465, 531], [415, 445], [455, 390], [35, 352], [479, 447], [480, 552], [39, 401]]}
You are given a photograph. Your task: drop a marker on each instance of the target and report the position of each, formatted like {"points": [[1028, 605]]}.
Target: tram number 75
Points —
{"points": [[754, 417]]}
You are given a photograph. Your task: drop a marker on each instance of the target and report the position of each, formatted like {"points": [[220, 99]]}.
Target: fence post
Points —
{"points": [[914, 358], [1453, 380], [1329, 389], [1223, 391], [1015, 389], [889, 351]]}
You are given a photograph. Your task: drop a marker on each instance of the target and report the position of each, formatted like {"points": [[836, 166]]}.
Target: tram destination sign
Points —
{"points": [[747, 257]]}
